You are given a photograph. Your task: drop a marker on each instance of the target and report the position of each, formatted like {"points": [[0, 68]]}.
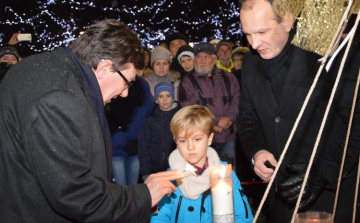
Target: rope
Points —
{"points": [[322, 128], [349, 128], [297, 122], [356, 192]]}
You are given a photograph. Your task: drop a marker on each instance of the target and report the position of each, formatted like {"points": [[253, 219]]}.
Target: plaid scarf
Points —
{"points": [[199, 170]]}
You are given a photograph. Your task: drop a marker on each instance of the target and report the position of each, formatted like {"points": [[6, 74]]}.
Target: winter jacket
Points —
{"points": [[156, 140], [192, 200], [221, 96], [54, 163], [135, 107]]}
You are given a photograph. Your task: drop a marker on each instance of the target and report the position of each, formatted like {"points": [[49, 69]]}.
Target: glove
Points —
{"points": [[290, 188]]}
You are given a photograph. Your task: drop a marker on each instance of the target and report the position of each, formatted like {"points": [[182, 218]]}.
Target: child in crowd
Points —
{"points": [[155, 140], [192, 128]]}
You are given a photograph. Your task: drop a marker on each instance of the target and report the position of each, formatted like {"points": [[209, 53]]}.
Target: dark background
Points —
{"points": [[54, 23]]}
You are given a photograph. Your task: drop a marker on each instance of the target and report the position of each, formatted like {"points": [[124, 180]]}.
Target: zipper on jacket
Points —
{"points": [[242, 193], [178, 209]]}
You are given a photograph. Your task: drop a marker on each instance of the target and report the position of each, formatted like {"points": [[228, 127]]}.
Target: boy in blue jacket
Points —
{"points": [[192, 128], [155, 139]]}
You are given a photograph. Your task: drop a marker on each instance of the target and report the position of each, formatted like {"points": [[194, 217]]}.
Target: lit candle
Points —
{"points": [[222, 193]]}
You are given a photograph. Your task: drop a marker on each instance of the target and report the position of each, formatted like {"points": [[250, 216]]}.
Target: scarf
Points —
{"points": [[276, 69], [193, 186], [94, 89]]}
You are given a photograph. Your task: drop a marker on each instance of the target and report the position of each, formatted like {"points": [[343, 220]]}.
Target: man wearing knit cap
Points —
{"points": [[9, 55], [223, 51], [216, 89], [174, 42]]}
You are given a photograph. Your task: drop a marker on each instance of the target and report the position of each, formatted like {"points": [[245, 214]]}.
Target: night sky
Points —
{"points": [[54, 23]]}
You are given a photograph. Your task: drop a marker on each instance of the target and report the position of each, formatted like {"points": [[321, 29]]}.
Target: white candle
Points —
{"points": [[222, 198]]}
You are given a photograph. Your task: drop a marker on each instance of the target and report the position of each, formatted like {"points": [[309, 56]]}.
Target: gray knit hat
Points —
{"points": [[9, 50], [222, 43], [160, 53]]}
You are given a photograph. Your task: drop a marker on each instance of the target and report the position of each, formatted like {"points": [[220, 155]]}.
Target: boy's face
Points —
{"points": [[164, 100], [194, 147]]}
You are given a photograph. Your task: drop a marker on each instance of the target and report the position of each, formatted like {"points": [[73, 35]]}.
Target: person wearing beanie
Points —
{"points": [[9, 55], [216, 89], [237, 57], [155, 140], [223, 52], [185, 56], [160, 61], [174, 42]]}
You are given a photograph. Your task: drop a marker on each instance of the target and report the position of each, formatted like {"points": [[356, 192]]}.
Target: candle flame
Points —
{"points": [[221, 171]]}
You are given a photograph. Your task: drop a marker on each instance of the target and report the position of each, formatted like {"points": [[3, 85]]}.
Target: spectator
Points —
{"points": [[185, 57], [216, 89], [174, 42], [155, 140], [223, 52], [237, 57], [55, 156], [147, 69], [125, 131], [192, 128], [9, 55], [214, 42], [160, 61], [163, 43]]}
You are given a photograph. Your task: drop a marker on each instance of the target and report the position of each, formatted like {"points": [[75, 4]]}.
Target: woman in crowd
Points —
{"points": [[160, 62]]}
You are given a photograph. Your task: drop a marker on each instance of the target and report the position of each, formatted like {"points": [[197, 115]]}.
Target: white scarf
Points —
{"points": [[193, 186]]}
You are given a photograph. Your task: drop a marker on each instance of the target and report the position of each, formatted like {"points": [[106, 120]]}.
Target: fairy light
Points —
{"points": [[151, 21]]}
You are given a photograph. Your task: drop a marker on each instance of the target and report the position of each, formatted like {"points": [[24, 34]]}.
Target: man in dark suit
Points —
{"points": [[276, 77], [55, 148]]}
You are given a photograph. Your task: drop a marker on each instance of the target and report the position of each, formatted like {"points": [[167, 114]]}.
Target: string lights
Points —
{"points": [[55, 23]]}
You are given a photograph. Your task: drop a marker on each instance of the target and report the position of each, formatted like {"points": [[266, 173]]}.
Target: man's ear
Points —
{"points": [[102, 68], [288, 21], [210, 139]]}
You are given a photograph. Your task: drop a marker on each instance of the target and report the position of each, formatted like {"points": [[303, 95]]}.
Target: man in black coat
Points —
{"points": [[276, 77], [55, 149]]}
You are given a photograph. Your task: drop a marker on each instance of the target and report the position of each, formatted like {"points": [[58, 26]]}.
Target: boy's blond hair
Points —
{"points": [[190, 118]]}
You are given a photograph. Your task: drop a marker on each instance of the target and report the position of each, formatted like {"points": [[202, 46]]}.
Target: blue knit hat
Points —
{"points": [[164, 86]]}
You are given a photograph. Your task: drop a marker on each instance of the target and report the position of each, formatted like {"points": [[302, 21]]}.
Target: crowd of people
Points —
{"points": [[99, 130]]}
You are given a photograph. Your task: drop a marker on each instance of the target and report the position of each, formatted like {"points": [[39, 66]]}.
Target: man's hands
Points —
{"points": [[259, 167], [290, 188], [159, 184], [224, 123]]}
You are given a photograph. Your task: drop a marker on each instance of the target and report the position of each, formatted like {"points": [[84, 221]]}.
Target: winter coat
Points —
{"points": [[265, 124], [135, 107], [192, 200], [220, 95], [156, 141], [54, 162]]}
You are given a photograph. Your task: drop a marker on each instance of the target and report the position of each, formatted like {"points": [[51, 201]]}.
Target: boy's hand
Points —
{"points": [[159, 184]]}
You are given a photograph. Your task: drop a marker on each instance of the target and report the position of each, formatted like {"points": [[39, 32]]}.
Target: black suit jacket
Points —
{"points": [[54, 163], [265, 125]]}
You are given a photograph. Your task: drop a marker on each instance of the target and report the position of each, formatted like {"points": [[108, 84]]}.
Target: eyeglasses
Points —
{"points": [[128, 83]]}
